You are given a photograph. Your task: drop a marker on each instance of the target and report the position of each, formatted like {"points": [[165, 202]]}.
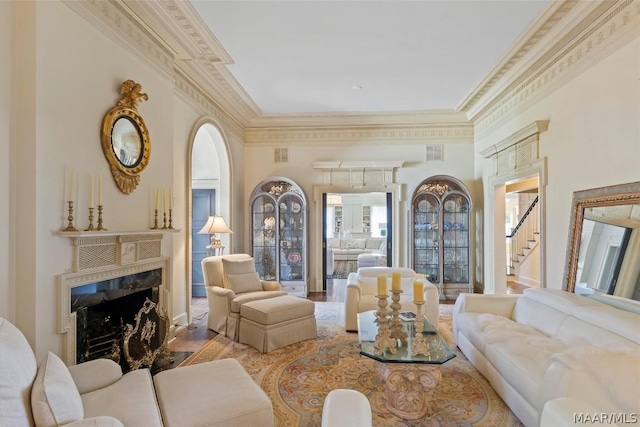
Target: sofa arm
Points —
{"points": [[270, 285], [500, 305], [95, 374], [565, 412], [102, 421], [351, 301]]}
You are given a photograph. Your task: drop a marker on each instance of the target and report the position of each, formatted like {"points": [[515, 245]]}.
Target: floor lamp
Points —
{"points": [[214, 226]]}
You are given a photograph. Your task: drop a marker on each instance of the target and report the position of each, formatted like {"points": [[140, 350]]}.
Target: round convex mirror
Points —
{"points": [[126, 141]]}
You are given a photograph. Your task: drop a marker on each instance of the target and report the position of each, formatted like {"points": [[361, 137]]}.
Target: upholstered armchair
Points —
{"points": [[231, 281], [362, 287]]}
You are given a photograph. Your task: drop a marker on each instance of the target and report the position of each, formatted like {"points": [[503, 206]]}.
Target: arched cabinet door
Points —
{"points": [[441, 237], [279, 233]]}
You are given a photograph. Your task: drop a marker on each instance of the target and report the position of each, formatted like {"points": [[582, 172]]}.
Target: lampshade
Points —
{"points": [[215, 224]]}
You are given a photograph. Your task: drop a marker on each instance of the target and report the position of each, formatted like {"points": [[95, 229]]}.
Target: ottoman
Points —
{"points": [[218, 393], [277, 322], [370, 260]]}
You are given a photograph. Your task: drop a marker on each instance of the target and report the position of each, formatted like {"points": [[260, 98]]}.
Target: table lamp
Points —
{"points": [[215, 224]]}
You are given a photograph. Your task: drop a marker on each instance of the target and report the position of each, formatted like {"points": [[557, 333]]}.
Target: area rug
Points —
{"points": [[298, 377]]}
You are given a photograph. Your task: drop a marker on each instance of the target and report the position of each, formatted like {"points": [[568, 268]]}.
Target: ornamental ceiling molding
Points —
{"points": [[610, 31], [118, 23], [190, 92], [362, 135]]}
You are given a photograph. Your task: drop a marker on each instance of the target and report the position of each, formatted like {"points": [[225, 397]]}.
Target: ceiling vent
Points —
{"points": [[281, 155], [434, 153]]}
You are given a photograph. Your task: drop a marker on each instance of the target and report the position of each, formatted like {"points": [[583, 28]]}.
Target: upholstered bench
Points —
{"points": [[277, 322], [219, 393]]}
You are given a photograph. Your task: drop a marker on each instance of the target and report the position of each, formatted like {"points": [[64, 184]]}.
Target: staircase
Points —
{"points": [[523, 239]]}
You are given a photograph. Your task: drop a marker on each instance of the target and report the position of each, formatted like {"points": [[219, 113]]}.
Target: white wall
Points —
{"points": [[7, 20], [593, 140], [458, 162]]}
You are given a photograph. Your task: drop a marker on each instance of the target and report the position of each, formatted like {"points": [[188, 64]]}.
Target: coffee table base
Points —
{"points": [[409, 388]]}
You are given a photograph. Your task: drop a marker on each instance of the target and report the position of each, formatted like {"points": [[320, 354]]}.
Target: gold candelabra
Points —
{"points": [[419, 346], [155, 219], [383, 337], [396, 324], [70, 226], [90, 227], [170, 220], [100, 226], [164, 220]]}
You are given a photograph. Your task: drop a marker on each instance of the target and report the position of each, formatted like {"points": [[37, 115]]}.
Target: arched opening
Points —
{"points": [[209, 193]]}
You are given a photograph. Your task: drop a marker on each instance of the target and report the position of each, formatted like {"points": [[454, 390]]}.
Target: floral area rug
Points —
{"points": [[298, 377]]}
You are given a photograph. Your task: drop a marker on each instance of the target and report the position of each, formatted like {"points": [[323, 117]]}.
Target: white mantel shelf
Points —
{"points": [[114, 233]]}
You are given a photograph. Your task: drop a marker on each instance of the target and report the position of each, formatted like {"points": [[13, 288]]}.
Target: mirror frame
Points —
{"points": [[126, 177], [622, 194]]}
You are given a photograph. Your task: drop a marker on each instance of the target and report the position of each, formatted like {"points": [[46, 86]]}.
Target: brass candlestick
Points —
{"points": [[155, 219], [70, 226], [164, 220], [170, 220], [383, 337], [419, 346], [396, 324], [90, 227], [100, 227]]}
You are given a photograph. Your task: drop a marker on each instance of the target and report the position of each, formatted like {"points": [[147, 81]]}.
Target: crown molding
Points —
{"points": [[362, 135], [604, 36]]}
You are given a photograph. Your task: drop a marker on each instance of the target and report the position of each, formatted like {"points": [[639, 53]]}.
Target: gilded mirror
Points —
{"points": [[125, 138], [603, 250]]}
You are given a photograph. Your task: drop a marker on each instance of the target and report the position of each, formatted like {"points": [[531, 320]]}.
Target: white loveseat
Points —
{"points": [[362, 288], [549, 344], [96, 393]]}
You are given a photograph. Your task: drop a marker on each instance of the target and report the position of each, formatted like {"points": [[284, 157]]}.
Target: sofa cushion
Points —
{"points": [[132, 400], [244, 282], [18, 369], [240, 299], [373, 243], [55, 399]]}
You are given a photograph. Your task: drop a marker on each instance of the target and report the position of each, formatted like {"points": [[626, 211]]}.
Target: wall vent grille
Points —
{"points": [[434, 153], [281, 155]]}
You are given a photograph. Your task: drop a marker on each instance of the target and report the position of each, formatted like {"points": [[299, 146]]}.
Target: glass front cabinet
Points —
{"points": [[440, 228], [279, 234]]}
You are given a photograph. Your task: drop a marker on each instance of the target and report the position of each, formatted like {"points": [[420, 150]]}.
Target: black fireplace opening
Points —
{"points": [[104, 309]]}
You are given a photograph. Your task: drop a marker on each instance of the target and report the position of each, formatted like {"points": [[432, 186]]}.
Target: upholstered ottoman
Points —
{"points": [[370, 260], [277, 322], [218, 393]]}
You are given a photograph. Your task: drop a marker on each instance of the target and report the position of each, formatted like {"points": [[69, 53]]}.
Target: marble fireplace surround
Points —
{"points": [[100, 256]]}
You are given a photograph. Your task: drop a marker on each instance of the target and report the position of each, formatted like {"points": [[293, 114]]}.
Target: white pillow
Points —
{"points": [[236, 266], [55, 399], [244, 282]]}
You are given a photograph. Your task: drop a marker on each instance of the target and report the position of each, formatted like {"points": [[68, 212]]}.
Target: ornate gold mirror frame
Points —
{"points": [[583, 203], [125, 138]]}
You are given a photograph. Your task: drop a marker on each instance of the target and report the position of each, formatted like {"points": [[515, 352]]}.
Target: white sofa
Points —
{"points": [[362, 288], [347, 250], [549, 344], [96, 393]]}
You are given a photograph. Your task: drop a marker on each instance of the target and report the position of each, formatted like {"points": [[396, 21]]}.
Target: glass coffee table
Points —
{"points": [[409, 379]]}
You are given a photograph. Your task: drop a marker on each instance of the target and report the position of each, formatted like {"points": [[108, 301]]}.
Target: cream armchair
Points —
{"points": [[231, 281], [362, 287]]}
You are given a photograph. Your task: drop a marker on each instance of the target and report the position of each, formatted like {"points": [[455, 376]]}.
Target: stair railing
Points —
{"points": [[521, 236]]}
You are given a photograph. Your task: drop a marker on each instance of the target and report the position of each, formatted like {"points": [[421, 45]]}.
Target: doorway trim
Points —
{"points": [[223, 193]]}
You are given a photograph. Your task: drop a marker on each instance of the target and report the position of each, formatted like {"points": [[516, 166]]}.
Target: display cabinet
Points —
{"points": [[440, 234], [279, 234]]}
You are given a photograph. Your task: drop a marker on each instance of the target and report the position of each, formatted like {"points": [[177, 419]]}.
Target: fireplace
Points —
{"points": [[112, 303]]}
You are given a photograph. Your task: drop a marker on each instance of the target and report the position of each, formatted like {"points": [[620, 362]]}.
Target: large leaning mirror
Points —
{"points": [[125, 138], [603, 251]]}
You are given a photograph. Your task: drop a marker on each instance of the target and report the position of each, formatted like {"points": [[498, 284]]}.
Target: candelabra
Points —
{"points": [[419, 346], [383, 337], [100, 227], [155, 219], [90, 227], [396, 324], [70, 226], [170, 220]]}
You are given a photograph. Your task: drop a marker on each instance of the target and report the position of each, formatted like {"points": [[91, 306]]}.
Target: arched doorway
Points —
{"points": [[209, 193]]}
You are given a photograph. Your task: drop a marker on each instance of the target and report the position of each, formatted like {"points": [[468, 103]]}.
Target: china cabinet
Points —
{"points": [[279, 234], [440, 234]]}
